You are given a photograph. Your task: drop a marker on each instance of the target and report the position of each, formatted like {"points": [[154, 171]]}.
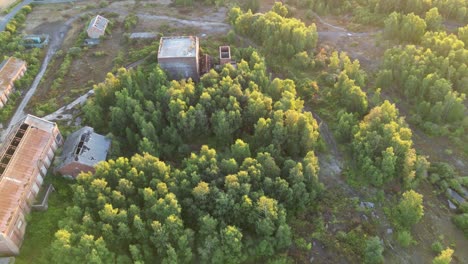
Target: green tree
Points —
{"points": [[433, 19], [445, 257], [409, 210], [373, 251]]}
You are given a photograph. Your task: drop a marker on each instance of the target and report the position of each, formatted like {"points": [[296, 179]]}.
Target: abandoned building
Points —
{"points": [[97, 27], [81, 151], [224, 55], [179, 57], [35, 41], [25, 156], [11, 70]]}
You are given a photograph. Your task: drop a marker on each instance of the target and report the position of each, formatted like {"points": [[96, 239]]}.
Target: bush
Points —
{"points": [[74, 51], [302, 244], [461, 221], [130, 21], [410, 210], [405, 239], [373, 251], [437, 247]]}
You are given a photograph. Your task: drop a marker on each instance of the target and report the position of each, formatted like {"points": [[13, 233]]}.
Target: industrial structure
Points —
{"points": [[224, 55], [82, 150], [179, 57], [97, 27], [35, 41], [11, 70], [25, 156]]}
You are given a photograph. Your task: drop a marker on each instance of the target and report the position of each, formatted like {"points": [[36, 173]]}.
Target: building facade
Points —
{"points": [[25, 156], [10, 70], [179, 57]]}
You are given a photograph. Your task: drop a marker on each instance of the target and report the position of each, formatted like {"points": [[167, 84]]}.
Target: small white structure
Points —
{"points": [[97, 27]]}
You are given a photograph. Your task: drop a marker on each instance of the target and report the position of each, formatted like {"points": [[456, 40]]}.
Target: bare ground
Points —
{"points": [[5, 3]]}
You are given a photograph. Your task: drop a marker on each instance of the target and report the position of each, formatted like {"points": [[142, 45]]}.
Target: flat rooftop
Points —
{"points": [[99, 22], [32, 137], [9, 69], [178, 47]]}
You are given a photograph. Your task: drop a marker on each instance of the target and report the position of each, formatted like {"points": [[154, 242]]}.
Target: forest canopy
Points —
{"points": [[215, 203]]}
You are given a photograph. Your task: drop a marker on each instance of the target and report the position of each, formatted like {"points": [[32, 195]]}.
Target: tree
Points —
{"points": [[383, 147], [445, 257], [373, 251], [210, 205], [240, 150], [410, 209], [433, 19], [463, 34]]}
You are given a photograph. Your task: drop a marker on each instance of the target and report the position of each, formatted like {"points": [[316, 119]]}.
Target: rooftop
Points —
{"points": [[86, 147], [20, 160], [99, 22], [9, 69], [177, 47]]}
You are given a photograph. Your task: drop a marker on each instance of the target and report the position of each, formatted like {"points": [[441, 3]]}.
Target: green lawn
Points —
{"points": [[43, 225]]}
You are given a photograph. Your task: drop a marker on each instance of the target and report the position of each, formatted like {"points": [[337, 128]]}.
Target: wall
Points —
{"points": [[180, 68], [74, 168]]}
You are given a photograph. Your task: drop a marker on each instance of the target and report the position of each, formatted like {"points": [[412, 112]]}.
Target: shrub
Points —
{"points": [[437, 247], [405, 239], [373, 251]]}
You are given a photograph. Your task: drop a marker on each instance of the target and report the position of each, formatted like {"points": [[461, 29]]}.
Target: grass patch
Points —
{"points": [[43, 225]]}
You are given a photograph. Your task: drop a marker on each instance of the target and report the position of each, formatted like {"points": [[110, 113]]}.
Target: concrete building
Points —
{"points": [[25, 156], [35, 41], [82, 150], [224, 55], [11, 70], [97, 27], [178, 56]]}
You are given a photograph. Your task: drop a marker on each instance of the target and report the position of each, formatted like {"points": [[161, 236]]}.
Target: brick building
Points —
{"points": [[82, 150], [179, 57], [25, 156], [11, 70]]}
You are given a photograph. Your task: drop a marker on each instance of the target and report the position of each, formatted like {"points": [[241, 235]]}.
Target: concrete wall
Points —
{"points": [[181, 68]]}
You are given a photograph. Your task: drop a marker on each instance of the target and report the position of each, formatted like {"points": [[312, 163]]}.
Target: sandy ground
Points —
{"points": [[5, 3]]}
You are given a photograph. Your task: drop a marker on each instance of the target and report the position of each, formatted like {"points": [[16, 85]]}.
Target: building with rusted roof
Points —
{"points": [[82, 150], [11, 70], [25, 156], [179, 57], [97, 27]]}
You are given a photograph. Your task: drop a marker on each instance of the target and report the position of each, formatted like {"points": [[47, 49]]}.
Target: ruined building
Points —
{"points": [[224, 55], [25, 156], [10, 70], [179, 57], [82, 150], [97, 27]]}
